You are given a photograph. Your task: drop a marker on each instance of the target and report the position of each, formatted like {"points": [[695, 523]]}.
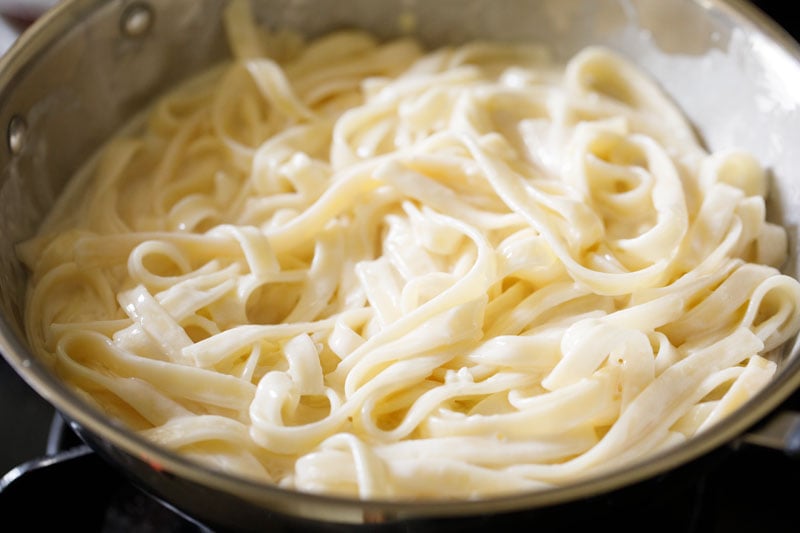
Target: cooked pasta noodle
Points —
{"points": [[365, 268]]}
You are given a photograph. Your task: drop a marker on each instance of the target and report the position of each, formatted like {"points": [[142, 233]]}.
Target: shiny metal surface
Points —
{"points": [[85, 68], [780, 432]]}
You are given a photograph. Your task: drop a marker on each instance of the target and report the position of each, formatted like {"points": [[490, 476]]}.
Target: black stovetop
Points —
{"points": [[751, 490]]}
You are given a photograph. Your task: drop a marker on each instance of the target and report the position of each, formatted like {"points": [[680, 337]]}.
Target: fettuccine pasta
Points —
{"points": [[364, 268]]}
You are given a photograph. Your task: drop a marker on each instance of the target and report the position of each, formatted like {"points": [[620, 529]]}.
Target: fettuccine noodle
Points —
{"points": [[364, 268]]}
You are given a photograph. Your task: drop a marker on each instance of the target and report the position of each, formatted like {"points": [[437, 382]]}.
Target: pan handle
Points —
{"points": [[778, 432]]}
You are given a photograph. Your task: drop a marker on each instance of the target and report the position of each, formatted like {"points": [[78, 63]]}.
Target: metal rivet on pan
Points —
{"points": [[17, 130], [137, 19]]}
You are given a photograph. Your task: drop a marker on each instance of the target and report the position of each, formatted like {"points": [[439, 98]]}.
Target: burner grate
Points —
{"points": [[83, 491]]}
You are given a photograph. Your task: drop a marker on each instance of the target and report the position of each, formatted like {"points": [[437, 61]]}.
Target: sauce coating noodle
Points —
{"points": [[365, 268]]}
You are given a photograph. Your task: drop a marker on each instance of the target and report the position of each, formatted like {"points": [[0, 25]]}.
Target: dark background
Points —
{"points": [[782, 11]]}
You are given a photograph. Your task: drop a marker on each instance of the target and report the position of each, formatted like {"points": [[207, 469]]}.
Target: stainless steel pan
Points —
{"points": [[88, 65]]}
